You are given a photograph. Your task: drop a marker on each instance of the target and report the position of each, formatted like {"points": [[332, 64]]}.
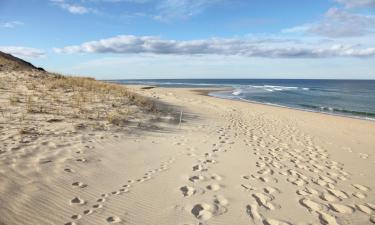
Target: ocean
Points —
{"points": [[354, 98]]}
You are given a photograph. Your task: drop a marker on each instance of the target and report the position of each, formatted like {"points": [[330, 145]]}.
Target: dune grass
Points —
{"points": [[74, 98]]}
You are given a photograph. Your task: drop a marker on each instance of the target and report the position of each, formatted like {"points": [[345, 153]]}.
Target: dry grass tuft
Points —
{"points": [[13, 100]]}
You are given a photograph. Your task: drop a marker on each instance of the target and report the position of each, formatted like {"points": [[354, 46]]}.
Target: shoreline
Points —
{"points": [[207, 91], [294, 108]]}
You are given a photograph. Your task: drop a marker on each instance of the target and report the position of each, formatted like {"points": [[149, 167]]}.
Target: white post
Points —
{"points": [[179, 124]]}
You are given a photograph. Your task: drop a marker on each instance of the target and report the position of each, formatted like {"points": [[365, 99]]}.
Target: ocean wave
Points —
{"points": [[237, 92], [338, 110], [272, 88], [267, 88]]}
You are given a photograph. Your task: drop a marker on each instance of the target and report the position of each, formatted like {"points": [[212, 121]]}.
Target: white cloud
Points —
{"points": [[171, 9], [75, 9], [357, 3], [340, 23], [296, 29], [72, 8], [11, 24], [268, 48], [117, 1], [161, 10], [212, 66], [20, 51], [337, 23]]}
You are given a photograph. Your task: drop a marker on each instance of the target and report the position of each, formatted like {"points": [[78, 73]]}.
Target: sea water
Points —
{"points": [[355, 98]]}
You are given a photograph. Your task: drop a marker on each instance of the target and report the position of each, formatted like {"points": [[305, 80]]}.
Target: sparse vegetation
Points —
{"points": [[29, 104], [26, 131], [34, 103], [13, 100], [77, 98]]}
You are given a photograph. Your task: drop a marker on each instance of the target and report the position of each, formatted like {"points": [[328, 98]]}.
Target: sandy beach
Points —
{"points": [[187, 112], [228, 162]]}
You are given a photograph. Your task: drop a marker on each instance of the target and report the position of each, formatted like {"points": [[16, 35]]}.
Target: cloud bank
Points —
{"points": [[23, 51], [357, 3], [269, 48], [337, 23]]}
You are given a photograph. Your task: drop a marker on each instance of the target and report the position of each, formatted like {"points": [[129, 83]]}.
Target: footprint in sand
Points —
{"points": [[77, 201], [271, 190], [100, 200], [372, 206], [260, 164], [213, 187], [253, 212], [327, 219], [364, 209], [297, 181], [338, 193], [70, 223], [359, 195], [97, 206], [87, 212], [248, 187], [209, 161], [216, 177], [68, 170], [202, 211], [311, 205], [81, 160], [113, 219], [187, 191], [269, 221], [263, 200], [198, 168], [361, 187], [329, 198], [264, 179], [79, 184], [76, 217], [265, 171], [363, 155], [327, 179], [124, 190], [307, 191], [221, 200], [341, 208], [195, 179]]}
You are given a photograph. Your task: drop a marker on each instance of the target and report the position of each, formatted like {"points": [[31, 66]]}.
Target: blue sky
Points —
{"points": [[127, 39]]}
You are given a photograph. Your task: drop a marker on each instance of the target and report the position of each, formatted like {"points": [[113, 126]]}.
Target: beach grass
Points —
{"points": [[70, 98]]}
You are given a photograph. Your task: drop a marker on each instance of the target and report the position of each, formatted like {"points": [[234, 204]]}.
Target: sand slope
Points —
{"points": [[229, 163]]}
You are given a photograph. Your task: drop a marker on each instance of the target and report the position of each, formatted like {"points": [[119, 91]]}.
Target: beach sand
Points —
{"points": [[227, 163]]}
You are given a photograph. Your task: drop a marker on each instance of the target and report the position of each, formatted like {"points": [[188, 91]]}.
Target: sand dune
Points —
{"points": [[228, 163]]}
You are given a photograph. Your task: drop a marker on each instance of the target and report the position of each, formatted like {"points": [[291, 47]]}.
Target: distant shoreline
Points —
{"points": [[207, 92], [211, 89]]}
